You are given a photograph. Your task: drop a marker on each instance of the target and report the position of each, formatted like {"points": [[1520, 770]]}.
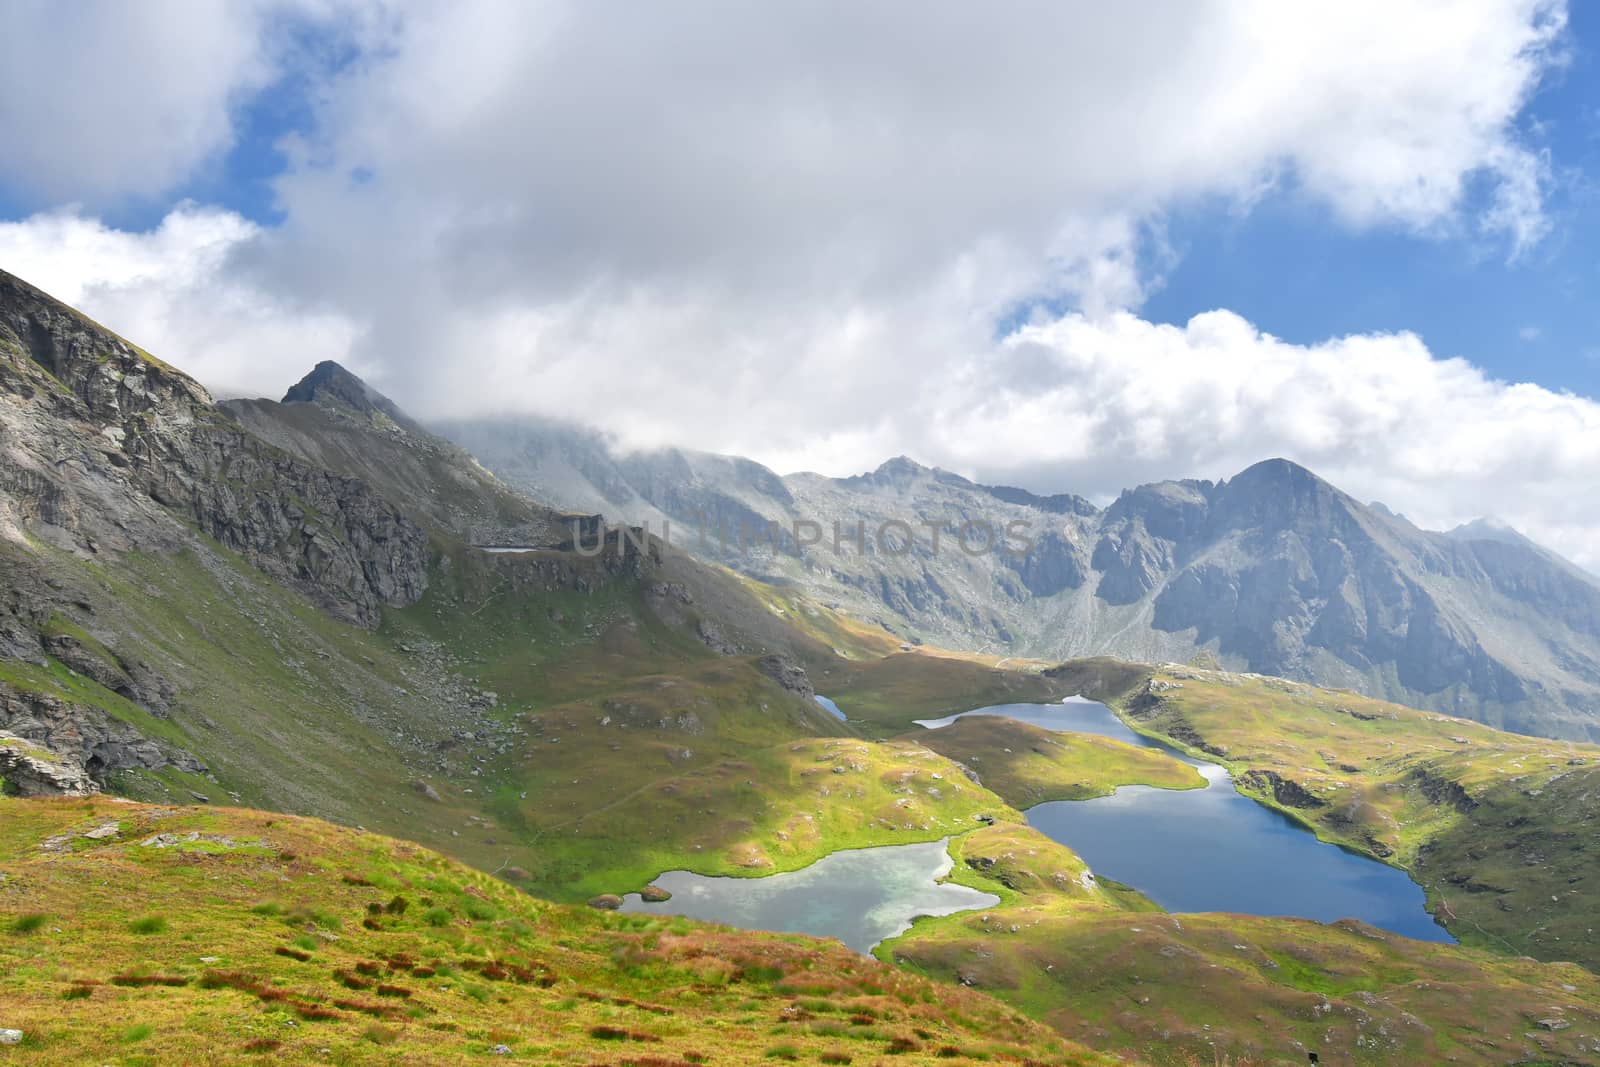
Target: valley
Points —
{"points": [[270, 689]]}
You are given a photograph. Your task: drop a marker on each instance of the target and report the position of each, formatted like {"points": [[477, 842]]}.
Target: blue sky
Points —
{"points": [[803, 231], [1535, 318], [1532, 318]]}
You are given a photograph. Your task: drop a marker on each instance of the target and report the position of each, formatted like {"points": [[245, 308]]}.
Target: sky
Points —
{"points": [[1066, 245]]}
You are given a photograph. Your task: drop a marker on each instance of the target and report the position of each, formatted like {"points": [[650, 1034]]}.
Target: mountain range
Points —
{"points": [[250, 619], [1273, 571]]}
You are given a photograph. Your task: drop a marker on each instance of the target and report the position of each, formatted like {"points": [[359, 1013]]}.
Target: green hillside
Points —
{"points": [[182, 935]]}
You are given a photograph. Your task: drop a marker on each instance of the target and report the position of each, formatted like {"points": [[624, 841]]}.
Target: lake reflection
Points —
{"points": [[860, 896], [1213, 849]]}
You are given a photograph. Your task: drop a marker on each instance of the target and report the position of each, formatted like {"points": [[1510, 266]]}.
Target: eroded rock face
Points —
{"points": [[1285, 791], [30, 771], [103, 447], [135, 680], [786, 672], [85, 737]]}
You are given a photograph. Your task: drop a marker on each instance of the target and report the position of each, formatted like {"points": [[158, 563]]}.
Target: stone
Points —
{"points": [[101, 833], [31, 770], [10, 1037], [606, 902], [784, 670], [654, 894]]}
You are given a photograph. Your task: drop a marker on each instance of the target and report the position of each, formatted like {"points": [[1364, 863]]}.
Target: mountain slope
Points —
{"points": [[220, 936], [283, 604], [1273, 571]]}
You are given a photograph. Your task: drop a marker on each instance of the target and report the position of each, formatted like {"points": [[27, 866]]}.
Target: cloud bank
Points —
{"points": [[813, 233]]}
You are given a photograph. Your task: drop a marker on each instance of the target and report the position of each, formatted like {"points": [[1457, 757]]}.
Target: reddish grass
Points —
{"points": [[138, 980]]}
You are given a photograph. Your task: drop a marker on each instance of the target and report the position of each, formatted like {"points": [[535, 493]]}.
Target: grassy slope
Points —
{"points": [[642, 751], [277, 937], [845, 636], [1087, 956], [1107, 968], [1501, 830], [884, 695], [620, 745], [1027, 765]]}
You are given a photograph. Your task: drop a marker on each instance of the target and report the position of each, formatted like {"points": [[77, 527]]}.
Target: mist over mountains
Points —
{"points": [[1274, 571]]}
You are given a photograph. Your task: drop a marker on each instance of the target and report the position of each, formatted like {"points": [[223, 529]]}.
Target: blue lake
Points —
{"points": [[1213, 849]]}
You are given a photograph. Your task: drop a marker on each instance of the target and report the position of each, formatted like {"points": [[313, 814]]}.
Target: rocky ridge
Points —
{"points": [[1273, 571], [107, 448]]}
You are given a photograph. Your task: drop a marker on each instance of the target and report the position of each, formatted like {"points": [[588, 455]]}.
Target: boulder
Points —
{"points": [[30, 770], [786, 672]]}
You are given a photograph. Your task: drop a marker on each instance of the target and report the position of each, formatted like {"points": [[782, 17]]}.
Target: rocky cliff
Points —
{"points": [[107, 454], [106, 447]]}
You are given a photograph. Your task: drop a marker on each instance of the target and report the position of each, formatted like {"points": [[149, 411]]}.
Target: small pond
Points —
{"points": [[860, 896], [831, 706]]}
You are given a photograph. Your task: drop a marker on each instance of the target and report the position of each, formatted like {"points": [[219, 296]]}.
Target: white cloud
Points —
{"points": [[789, 230], [110, 102], [762, 176], [174, 291], [1379, 415], [102, 102]]}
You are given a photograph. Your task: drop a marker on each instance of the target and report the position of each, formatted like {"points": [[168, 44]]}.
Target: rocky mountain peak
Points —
{"points": [[1278, 493], [898, 473], [1489, 528], [1277, 474], [335, 388]]}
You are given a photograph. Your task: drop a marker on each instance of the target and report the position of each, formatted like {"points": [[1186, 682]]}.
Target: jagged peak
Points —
{"points": [[1277, 470], [331, 385], [900, 466], [1056, 503], [899, 472], [1490, 528]]}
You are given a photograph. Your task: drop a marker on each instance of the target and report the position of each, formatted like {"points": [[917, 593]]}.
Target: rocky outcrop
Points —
{"points": [[348, 548], [136, 680], [711, 635], [84, 736], [1286, 791], [26, 770], [1441, 790], [787, 673]]}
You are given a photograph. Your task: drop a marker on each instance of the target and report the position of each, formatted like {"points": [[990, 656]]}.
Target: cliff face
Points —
{"points": [[106, 451], [106, 448]]}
